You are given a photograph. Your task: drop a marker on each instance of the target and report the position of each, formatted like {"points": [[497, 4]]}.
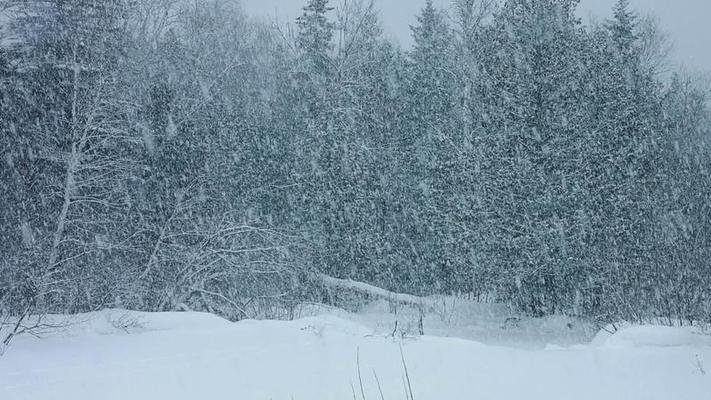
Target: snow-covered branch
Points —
{"points": [[374, 291]]}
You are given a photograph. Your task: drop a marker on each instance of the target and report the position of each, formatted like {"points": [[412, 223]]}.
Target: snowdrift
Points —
{"points": [[123, 355], [654, 336]]}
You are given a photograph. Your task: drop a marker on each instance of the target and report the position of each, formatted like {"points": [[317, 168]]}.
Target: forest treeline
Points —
{"points": [[165, 155]]}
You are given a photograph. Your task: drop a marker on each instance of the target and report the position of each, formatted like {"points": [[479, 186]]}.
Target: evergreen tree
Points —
{"points": [[315, 37], [532, 169], [432, 145]]}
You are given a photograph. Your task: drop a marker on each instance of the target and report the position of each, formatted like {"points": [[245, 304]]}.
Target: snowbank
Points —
{"points": [[654, 336], [489, 323]]}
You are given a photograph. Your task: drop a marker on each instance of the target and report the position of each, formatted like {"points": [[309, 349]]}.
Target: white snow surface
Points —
{"points": [[658, 336], [117, 354]]}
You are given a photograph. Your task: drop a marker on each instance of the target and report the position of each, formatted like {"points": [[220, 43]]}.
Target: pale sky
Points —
{"points": [[688, 22]]}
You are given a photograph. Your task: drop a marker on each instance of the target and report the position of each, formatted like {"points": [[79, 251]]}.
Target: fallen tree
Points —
{"points": [[374, 291], [420, 303]]}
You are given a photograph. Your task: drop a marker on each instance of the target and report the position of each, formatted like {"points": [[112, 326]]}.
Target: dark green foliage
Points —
{"points": [[202, 160]]}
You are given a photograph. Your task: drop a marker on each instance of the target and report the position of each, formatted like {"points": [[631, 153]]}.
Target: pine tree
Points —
{"points": [[318, 154], [532, 180], [432, 144], [623, 29], [315, 37]]}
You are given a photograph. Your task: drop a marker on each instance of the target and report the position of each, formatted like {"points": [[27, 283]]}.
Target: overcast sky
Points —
{"points": [[688, 22]]}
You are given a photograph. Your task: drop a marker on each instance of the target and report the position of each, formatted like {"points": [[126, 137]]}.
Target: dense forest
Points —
{"points": [[165, 155]]}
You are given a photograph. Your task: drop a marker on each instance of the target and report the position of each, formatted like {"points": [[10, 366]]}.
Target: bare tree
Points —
{"points": [[78, 159], [655, 46]]}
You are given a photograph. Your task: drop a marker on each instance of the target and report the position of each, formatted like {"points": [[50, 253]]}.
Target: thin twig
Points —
{"points": [[360, 378], [380, 388], [407, 375]]}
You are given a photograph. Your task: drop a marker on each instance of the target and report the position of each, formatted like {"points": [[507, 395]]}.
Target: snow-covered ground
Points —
{"points": [[118, 355]]}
